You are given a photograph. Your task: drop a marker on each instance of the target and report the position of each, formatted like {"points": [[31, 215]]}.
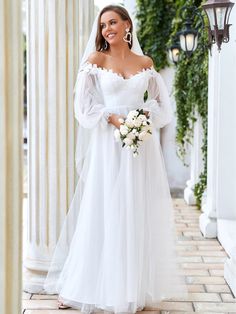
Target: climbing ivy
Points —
{"points": [[191, 95], [154, 28], [158, 23]]}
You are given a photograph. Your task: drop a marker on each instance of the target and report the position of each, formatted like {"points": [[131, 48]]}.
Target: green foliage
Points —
{"points": [[158, 22], [191, 94], [154, 28]]}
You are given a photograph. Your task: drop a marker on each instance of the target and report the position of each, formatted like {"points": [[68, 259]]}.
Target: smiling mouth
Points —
{"points": [[111, 35]]}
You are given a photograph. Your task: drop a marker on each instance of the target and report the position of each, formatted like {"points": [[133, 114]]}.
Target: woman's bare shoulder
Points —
{"points": [[97, 58], [146, 61]]}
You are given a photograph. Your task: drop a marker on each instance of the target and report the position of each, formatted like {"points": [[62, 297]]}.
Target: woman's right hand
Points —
{"points": [[114, 119]]}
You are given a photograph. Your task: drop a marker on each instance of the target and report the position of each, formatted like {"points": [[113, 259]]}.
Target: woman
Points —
{"points": [[119, 256]]}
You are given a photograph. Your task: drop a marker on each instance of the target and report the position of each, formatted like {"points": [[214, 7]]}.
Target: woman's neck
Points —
{"points": [[121, 51]]}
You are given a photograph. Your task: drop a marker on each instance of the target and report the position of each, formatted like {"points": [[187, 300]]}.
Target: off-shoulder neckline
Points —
{"points": [[95, 66]]}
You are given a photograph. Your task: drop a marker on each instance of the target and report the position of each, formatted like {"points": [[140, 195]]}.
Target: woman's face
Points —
{"points": [[113, 27]]}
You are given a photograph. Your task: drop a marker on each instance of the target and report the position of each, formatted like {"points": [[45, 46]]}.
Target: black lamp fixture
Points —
{"points": [[174, 52], [218, 12], [189, 36]]}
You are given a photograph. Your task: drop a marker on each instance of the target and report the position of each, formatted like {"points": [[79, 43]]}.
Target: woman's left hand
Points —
{"points": [[147, 113]]}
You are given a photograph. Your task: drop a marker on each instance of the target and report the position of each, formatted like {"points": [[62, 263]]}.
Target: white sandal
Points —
{"points": [[62, 306]]}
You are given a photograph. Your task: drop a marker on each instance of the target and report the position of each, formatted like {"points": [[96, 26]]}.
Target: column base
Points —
{"points": [[33, 281], [208, 226], [189, 196], [230, 274], [227, 238]]}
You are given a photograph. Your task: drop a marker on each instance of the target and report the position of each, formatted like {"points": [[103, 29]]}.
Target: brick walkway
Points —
{"points": [[202, 264]]}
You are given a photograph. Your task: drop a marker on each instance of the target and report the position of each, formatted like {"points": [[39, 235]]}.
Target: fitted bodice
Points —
{"points": [[120, 92], [99, 90]]}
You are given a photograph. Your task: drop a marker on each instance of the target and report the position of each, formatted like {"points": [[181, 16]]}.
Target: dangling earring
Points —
{"points": [[105, 45], [128, 36]]}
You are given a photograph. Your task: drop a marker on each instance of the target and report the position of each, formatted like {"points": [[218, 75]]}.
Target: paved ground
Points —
{"points": [[202, 264]]}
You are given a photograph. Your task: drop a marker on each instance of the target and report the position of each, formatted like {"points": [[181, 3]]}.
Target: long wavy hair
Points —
{"points": [[123, 13]]}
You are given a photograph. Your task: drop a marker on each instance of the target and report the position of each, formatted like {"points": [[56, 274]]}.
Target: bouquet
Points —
{"points": [[135, 129]]}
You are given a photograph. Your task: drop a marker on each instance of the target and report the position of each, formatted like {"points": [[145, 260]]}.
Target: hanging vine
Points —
{"points": [[191, 94], [158, 22]]}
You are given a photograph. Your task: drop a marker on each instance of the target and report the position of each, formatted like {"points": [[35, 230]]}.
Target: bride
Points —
{"points": [[119, 256]]}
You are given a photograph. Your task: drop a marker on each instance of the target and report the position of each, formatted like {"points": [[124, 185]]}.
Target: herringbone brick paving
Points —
{"points": [[202, 262]]}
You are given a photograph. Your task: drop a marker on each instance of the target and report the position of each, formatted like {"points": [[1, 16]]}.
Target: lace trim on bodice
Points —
{"points": [[95, 68]]}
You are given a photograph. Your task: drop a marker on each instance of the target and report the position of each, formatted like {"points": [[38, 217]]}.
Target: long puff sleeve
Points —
{"points": [[89, 111], [158, 102], [88, 105]]}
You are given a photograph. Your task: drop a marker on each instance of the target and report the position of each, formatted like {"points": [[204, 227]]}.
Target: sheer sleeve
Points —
{"points": [[158, 102], [88, 105]]}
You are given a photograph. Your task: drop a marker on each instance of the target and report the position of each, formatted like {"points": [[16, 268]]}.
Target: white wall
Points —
{"points": [[177, 173]]}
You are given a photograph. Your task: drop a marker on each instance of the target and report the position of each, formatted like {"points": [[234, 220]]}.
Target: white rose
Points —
{"points": [[132, 114], [142, 135], [128, 141], [117, 134], [131, 136], [129, 123], [124, 129], [142, 117], [137, 122]]}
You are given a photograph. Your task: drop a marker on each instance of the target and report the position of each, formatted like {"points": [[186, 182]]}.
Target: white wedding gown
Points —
{"points": [[119, 255]]}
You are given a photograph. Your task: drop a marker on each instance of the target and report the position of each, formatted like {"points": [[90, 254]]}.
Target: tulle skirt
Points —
{"points": [[116, 250]]}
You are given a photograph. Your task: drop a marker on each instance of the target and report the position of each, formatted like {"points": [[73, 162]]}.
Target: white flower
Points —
{"points": [[133, 147], [117, 134], [137, 122], [132, 114], [124, 130], [142, 135], [130, 135], [121, 120], [128, 141], [135, 154], [142, 117], [129, 123]]}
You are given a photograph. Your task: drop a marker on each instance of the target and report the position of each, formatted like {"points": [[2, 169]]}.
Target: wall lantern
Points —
{"points": [[218, 12], [189, 36], [174, 52]]}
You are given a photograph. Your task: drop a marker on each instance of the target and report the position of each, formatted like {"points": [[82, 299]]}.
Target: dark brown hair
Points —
{"points": [[123, 13]]}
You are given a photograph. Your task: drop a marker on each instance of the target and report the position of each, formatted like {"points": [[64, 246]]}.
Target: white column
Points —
{"points": [[57, 33], [207, 220], [196, 162], [226, 156], [11, 155]]}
